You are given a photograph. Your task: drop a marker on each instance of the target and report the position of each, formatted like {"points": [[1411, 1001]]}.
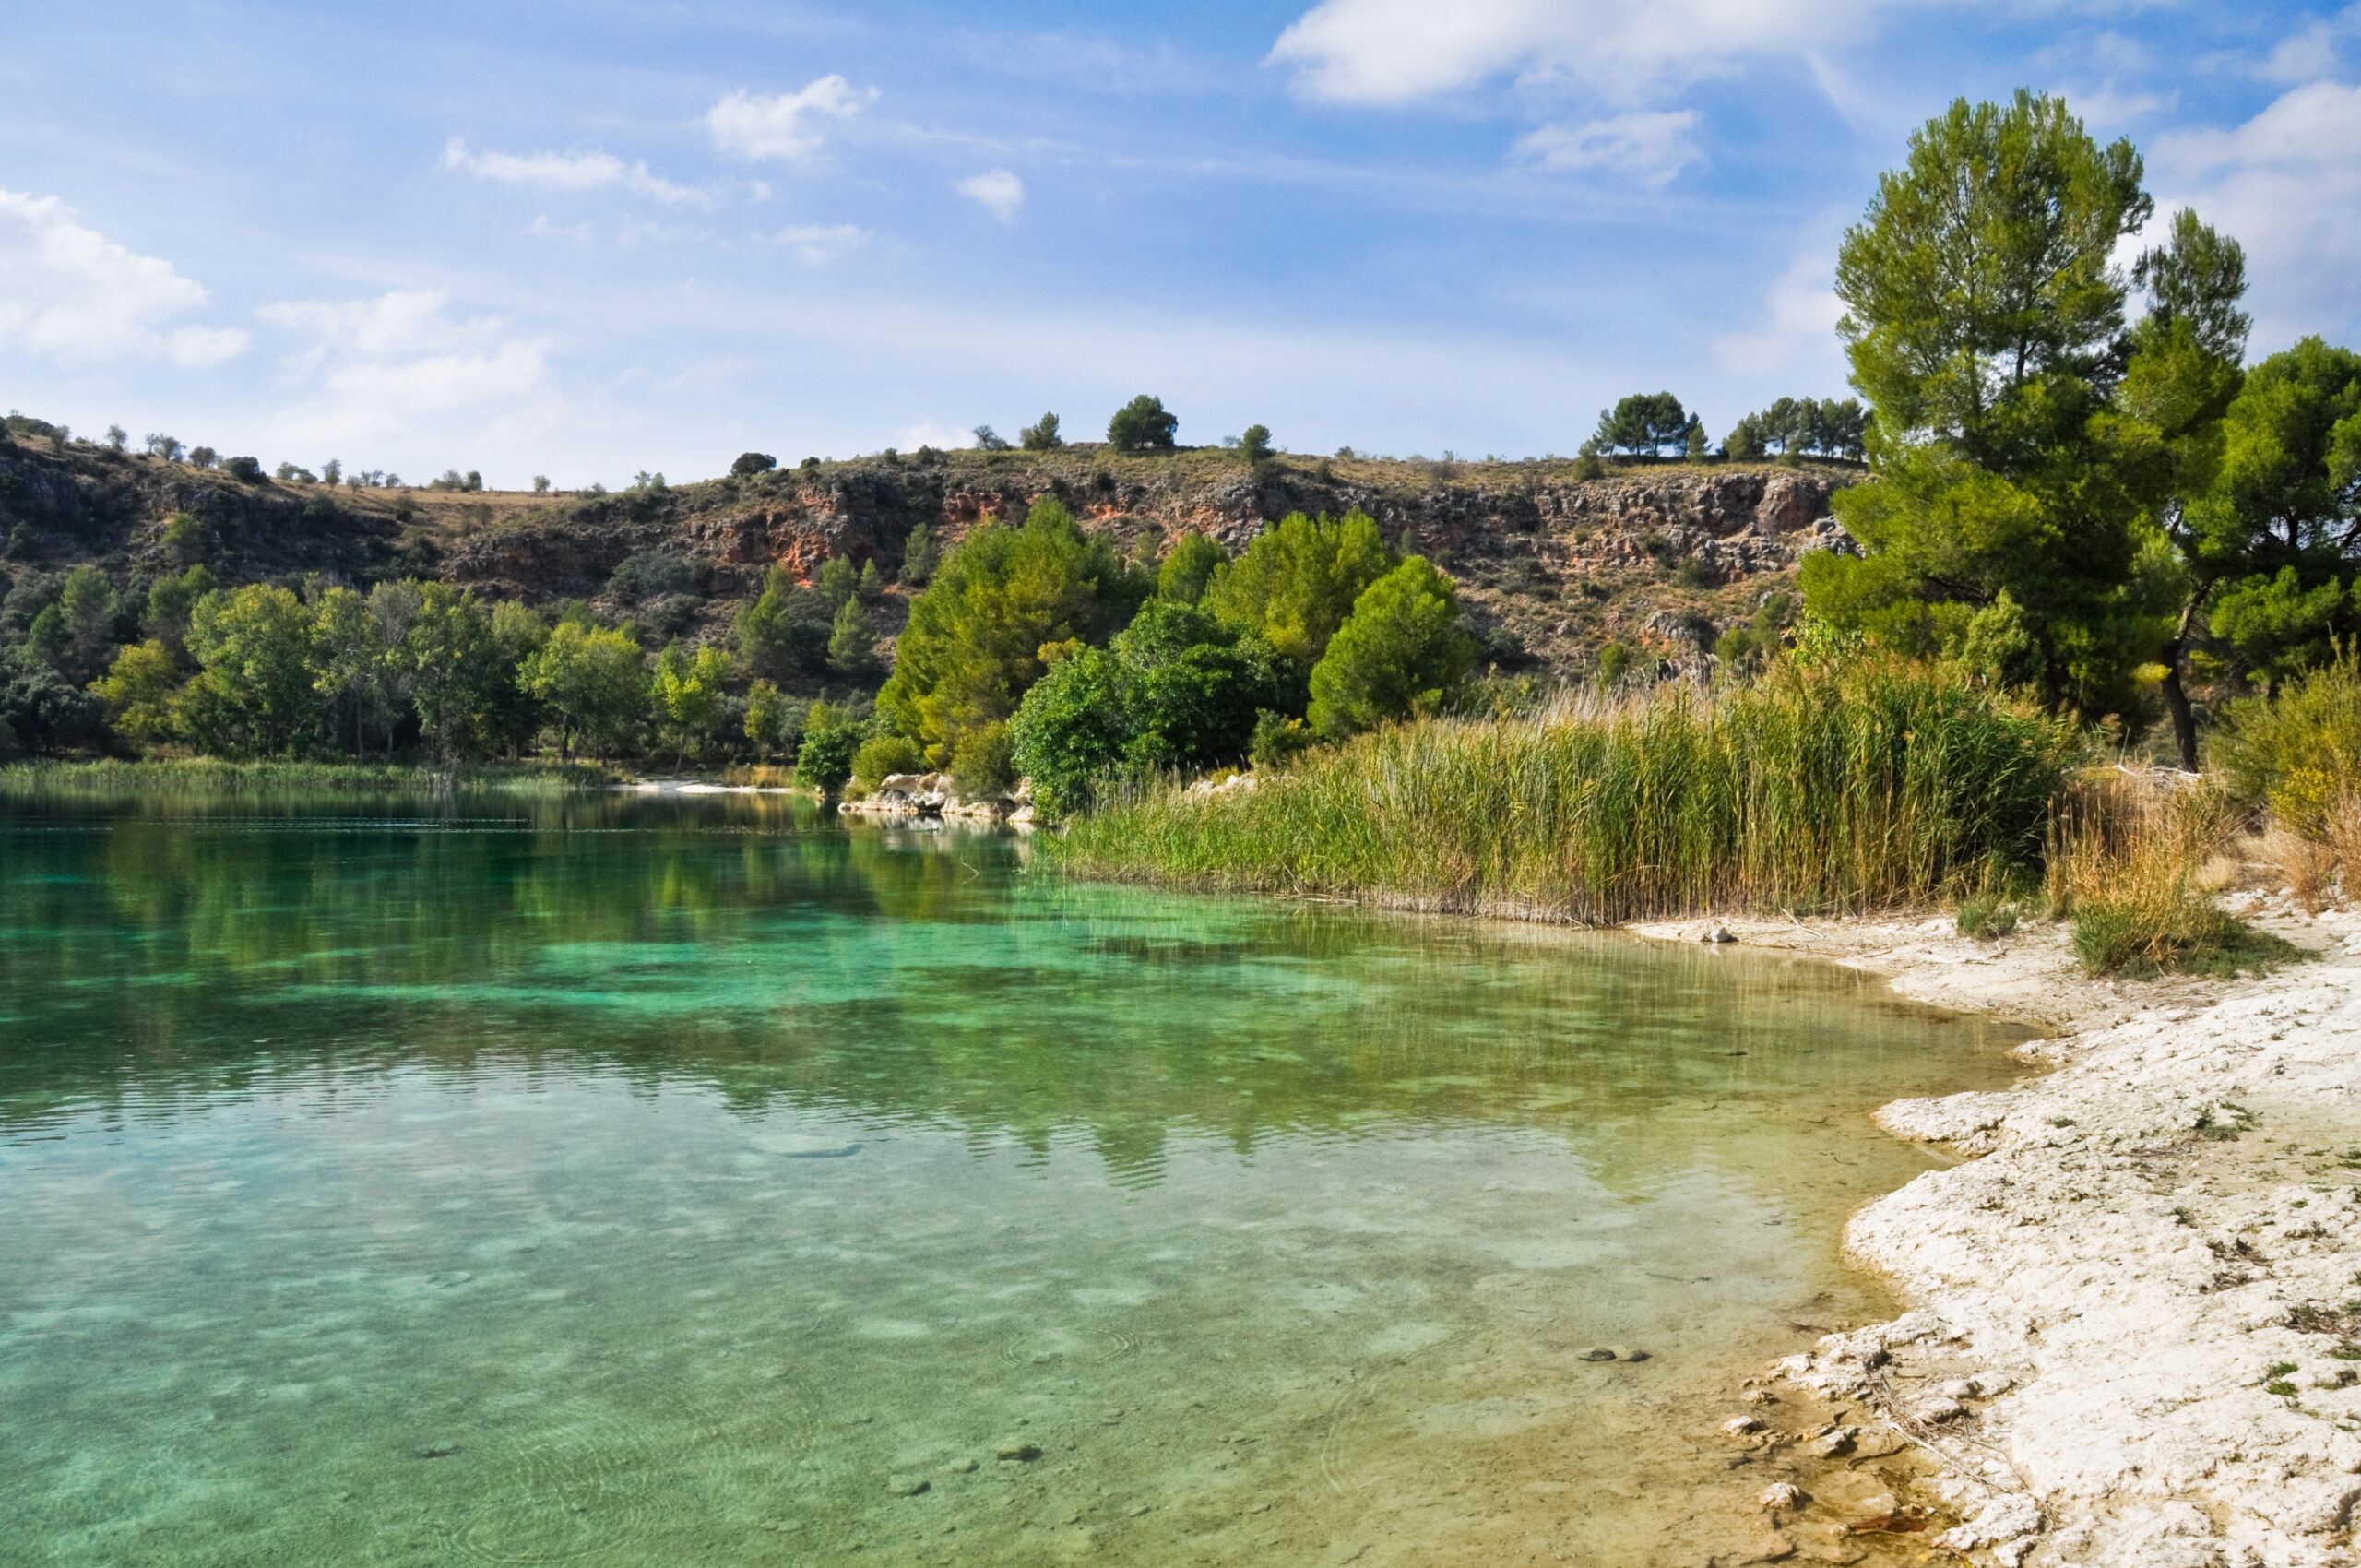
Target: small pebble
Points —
{"points": [[1623, 1355], [1597, 1353], [960, 1467], [441, 1450], [906, 1486], [1940, 1410], [1779, 1494], [1012, 1449], [1739, 1426]]}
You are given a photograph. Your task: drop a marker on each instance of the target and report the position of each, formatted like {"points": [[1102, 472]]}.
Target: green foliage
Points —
{"points": [[253, 695], [852, 646], [1189, 568], [42, 711], [139, 691], [872, 586], [183, 536], [1745, 648], [882, 756], [1874, 784], [1987, 917], [772, 720], [1177, 690], [594, 679], [1645, 421], [918, 556], [248, 470], [748, 464], [507, 716], [451, 664], [973, 642], [1255, 446], [1041, 435], [1984, 315], [830, 738], [785, 632], [2299, 753], [1403, 650], [1279, 739], [1297, 582], [687, 692], [1802, 424], [985, 763], [839, 580], [2278, 526], [1141, 425], [1614, 661], [650, 573]]}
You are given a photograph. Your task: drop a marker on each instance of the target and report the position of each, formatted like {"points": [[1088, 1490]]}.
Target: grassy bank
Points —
{"points": [[211, 776], [1877, 785]]}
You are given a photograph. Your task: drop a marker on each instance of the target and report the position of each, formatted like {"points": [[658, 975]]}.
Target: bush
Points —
{"points": [[985, 763], [1189, 568], [831, 738], [650, 573], [882, 756], [749, 464], [1141, 425], [245, 470], [2299, 755], [1299, 581]]}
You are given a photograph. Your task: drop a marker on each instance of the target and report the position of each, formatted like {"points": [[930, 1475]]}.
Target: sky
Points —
{"points": [[602, 237]]}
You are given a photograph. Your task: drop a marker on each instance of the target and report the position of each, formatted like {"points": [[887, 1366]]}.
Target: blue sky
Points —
{"points": [[592, 238]]}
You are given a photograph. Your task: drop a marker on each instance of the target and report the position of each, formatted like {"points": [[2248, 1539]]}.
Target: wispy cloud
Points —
{"points": [[819, 243], [69, 293], [1000, 192], [1649, 148], [748, 125], [376, 366], [566, 171], [1398, 50], [1796, 333], [2287, 184]]}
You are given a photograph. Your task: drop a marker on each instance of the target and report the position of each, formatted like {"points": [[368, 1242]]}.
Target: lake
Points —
{"points": [[640, 1179]]}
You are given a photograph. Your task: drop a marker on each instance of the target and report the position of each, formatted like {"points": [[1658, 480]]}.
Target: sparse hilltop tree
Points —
{"points": [[987, 440], [1643, 423], [1041, 435], [202, 456], [746, 466], [1254, 445], [165, 447], [1141, 425], [118, 437]]}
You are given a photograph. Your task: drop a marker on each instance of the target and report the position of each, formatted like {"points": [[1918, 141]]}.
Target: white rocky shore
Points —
{"points": [[2135, 1325]]}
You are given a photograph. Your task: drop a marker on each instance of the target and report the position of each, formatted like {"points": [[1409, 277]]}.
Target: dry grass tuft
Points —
{"points": [[2128, 863]]}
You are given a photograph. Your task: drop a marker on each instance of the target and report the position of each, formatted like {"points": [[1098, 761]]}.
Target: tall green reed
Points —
{"points": [[1872, 784]]}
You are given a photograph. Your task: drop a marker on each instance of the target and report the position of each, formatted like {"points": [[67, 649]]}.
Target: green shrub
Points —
{"points": [[985, 761], [880, 757], [2299, 753]]}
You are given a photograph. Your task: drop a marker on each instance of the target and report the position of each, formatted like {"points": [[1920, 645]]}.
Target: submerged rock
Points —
{"points": [[1018, 1449], [906, 1486]]}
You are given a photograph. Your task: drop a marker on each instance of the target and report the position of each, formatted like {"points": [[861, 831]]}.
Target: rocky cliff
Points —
{"points": [[1551, 566]]}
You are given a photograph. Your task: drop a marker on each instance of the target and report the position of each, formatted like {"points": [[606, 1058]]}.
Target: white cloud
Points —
{"points": [[376, 366], [70, 294], [751, 127], [1650, 147], [819, 243], [932, 435], [1000, 192], [2313, 52], [2287, 185], [565, 171], [1397, 51], [1798, 333]]}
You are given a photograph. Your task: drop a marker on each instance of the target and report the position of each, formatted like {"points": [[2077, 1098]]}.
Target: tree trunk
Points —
{"points": [[2184, 721]]}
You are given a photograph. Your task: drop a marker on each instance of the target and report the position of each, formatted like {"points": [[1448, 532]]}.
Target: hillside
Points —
{"points": [[1551, 566]]}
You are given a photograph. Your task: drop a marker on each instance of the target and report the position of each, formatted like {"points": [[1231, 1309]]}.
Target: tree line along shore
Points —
{"points": [[2089, 523]]}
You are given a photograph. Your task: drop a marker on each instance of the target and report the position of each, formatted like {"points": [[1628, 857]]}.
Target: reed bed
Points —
{"points": [[111, 778], [1872, 785]]}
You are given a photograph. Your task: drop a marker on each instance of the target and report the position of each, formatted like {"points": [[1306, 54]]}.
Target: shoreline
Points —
{"points": [[2128, 1342]]}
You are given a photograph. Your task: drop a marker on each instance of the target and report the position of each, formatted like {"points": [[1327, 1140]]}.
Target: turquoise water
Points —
{"points": [[629, 1180]]}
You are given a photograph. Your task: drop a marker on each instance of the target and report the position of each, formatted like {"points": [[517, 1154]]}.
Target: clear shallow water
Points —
{"points": [[649, 1181]]}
